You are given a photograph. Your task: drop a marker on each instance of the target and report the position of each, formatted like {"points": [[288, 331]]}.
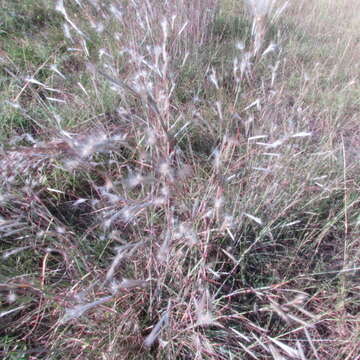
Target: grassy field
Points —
{"points": [[179, 180]]}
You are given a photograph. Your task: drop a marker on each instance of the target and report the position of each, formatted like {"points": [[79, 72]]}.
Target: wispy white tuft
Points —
{"points": [[275, 144], [261, 7], [254, 218], [291, 223], [151, 338], [116, 12], [129, 284], [5, 313], [302, 134], [79, 3], [265, 170], [54, 68], [15, 105], [121, 254], [240, 45], [256, 103], [213, 78], [271, 48], [56, 100], [182, 29], [34, 81], [78, 310], [9, 253], [272, 154], [83, 89], [67, 32], [257, 137], [55, 190], [60, 7], [294, 353], [204, 316], [11, 297], [275, 353]]}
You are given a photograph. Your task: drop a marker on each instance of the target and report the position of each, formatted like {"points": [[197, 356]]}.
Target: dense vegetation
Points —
{"points": [[179, 179]]}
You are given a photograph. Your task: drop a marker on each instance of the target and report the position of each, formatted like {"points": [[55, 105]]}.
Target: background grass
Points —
{"points": [[179, 180]]}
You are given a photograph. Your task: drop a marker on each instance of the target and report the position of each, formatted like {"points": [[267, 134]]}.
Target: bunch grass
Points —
{"points": [[178, 183]]}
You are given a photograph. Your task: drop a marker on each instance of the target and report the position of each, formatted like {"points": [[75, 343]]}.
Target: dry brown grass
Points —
{"points": [[193, 195]]}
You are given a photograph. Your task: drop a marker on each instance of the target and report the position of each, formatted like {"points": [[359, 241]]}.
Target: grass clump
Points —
{"points": [[178, 182]]}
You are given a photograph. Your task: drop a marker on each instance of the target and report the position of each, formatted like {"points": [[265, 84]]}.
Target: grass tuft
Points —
{"points": [[178, 180]]}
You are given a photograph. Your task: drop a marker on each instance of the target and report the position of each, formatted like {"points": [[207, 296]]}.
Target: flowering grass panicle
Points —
{"points": [[177, 180]]}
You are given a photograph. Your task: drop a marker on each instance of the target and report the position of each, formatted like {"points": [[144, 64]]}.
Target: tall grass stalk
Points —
{"points": [[176, 184]]}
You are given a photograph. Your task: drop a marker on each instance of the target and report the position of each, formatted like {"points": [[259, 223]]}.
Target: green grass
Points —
{"points": [[200, 201]]}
